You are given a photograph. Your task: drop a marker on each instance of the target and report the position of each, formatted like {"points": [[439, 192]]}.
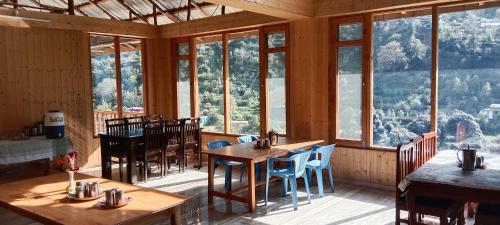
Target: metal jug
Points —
{"points": [[468, 160], [273, 137]]}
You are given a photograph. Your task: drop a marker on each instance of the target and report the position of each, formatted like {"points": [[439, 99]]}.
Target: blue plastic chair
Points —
{"points": [[228, 165], [258, 166], [290, 173], [319, 165]]}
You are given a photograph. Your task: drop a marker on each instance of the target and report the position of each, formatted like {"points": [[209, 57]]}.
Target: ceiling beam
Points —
{"points": [[96, 4], [287, 9], [237, 20], [89, 3], [205, 14], [76, 9], [163, 12], [176, 11], [136, 14]]}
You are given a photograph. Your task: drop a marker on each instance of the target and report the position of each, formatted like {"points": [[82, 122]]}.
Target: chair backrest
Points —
{"points": [[134, 123], [425, 148], [191, 130], [429, 145], [246, 139], [173, 132], [154, 138], [325, 153], [405, 162], [153, 118], [300, 160], [217, 144], [115, 126]]}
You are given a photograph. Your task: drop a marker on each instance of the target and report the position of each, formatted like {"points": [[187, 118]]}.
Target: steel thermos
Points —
{"points": [[468, 160]]}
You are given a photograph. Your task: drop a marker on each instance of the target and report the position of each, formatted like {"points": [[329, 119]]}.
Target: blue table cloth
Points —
{"points": [[34, 148]]}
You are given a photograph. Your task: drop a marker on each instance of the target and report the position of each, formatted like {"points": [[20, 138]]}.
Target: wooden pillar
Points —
{"points": [[118, 77], [225, 74], [435, 69], [189, 10], [223, 10], [71, 7], [154, 14]]}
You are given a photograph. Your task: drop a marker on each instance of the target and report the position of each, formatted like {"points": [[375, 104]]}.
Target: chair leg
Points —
{"points": [[307, 190], [228, 170], [309, 172], [285, 186], [120, 167], [241, 174], [267, 189], [319, 177], [258, 170], [443, 220], [331, 178], [398, 220], [293, 186], [146, 170]]}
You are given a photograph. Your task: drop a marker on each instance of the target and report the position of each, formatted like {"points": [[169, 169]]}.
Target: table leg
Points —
{"points": [[131, 160], [175, 218], [105, 160], [210, 179], [251, 186]]}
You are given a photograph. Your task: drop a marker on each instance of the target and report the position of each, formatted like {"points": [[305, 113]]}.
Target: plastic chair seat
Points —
{"points": [[284, 172], [313, 164], [233, 163]]}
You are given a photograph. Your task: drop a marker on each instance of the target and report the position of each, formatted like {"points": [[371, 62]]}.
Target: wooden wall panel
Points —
{"points": [[41, 70]]}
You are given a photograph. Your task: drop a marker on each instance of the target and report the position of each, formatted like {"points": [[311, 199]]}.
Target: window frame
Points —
{"points": [[367, 20], [263, 51], [118, 77]]}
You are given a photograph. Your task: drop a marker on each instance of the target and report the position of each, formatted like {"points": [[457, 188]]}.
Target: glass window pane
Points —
{"points": [[469, 80], [276, 91], [103, 73], [244, 84], [131, 72], [350, 81], [401, 79], [350, 32], [183, 89], [210, 83], [183, 49], [276, 40]]}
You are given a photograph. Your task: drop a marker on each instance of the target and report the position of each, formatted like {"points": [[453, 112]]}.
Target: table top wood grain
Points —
{"points": [[443, 169], [246, 151], [44, 199]]}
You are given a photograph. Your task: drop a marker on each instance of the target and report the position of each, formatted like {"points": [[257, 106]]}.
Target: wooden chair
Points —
{"points": [[191, 139], [134, 123], [409, 159], [487, 214], [154, 146], [173, 136], [112, 147]]}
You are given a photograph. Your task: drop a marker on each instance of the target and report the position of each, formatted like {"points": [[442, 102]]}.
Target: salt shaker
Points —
{"points": [[119, 198]]}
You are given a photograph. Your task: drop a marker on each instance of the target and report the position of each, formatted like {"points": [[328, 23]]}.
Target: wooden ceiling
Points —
{"points": [[155, 12]]}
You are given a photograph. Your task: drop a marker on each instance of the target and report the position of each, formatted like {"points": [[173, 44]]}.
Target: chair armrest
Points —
{"points": [[272, 160]]}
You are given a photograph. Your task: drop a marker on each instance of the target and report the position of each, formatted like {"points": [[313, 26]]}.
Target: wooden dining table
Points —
{"points": [[131, 140], [246, 154], [441, 177], [44, 199]]}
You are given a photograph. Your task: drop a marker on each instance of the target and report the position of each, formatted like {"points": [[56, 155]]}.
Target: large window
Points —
{"points": [[425, 69], [240, 84], [276, 80], [117, 78], [348, 62], [401, 79], [210, 82], [469, 79], [244, 82], [183, 79]]}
